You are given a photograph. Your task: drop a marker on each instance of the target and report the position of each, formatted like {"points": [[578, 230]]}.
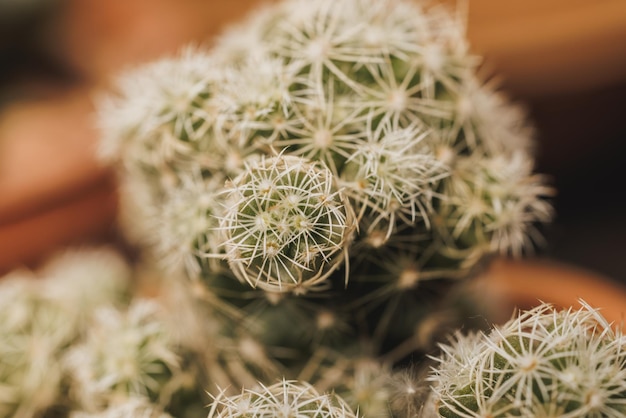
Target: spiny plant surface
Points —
{"points": [[543, 363], [322, 175], [383, 95], [77, 341], [284, 399], [42, 315]]}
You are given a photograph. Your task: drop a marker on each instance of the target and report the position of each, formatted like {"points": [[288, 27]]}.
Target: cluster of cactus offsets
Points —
{"points": [[322, 176], [383, 96], [543, 363]]}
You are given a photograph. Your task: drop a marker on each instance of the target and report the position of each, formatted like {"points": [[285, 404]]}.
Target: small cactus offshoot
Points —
{"points": [[287, 225], [281, 400]]}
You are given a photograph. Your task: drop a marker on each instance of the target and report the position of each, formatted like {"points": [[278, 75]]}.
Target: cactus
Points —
{"points": [[544, 362], [382, 95], [323, 176], [41, 315], [282, 399], [288, 225], [76, 339], [311, 189], [124, 353]]}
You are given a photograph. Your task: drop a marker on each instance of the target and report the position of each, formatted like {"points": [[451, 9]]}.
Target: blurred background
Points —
{"points": [[565, 60]]}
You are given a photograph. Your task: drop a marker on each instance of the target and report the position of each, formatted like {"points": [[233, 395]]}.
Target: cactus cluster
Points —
{"points": [[119, 356], [307, 193], [382, 98], [322, 175]]}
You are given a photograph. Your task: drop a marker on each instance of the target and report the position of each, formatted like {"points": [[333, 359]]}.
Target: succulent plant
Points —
{"points": [[312, 188], [287, 225], [381, 95], [124, 353], [32, 335], [323, 176], [545, 362], [283, 399], [76, 339]]}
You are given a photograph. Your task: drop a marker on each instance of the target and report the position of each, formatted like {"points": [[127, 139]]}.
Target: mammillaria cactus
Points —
{"points": [[319, 174], [543, 363], [382, 95], [287, 226], [123, 354], [312, 187], [283, 399]]}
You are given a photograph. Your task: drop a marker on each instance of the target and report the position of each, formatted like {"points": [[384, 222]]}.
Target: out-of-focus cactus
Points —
{"points": [[568, 363], [74, 337], [41, 315], [124, 353]]}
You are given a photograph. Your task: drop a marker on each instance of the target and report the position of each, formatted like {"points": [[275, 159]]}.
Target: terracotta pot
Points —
{"points": [[100, 38], [509, 285], [543, 48], [54, 193]]}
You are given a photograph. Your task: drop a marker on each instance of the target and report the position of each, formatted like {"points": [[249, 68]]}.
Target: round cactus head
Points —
{"points": [[568, 363], [287, 225], [281, 400]]}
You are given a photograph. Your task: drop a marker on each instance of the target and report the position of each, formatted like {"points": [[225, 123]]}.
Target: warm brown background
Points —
{"points": [[565, 59]]}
